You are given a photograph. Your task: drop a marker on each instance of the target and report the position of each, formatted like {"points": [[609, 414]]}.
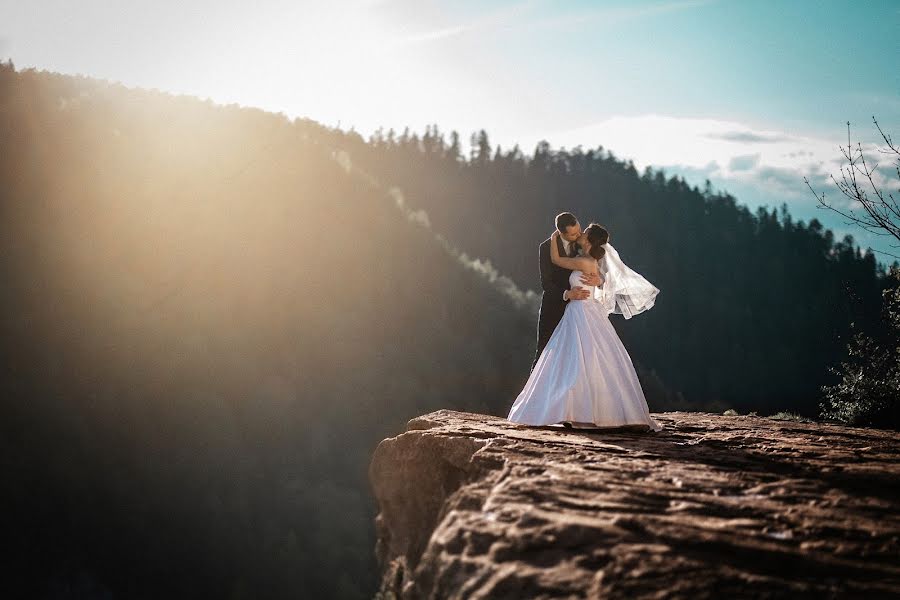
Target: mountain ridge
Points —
{"points": [[209, 322]]}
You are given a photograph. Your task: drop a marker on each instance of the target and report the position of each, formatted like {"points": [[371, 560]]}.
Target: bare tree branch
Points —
{"points": [[873, 211]]}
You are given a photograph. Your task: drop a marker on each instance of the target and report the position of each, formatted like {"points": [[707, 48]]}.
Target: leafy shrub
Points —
{"points": [[868, 393]]}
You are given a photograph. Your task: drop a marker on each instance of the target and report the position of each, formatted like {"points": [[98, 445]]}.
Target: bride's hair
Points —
{"points": [[597, 236]]}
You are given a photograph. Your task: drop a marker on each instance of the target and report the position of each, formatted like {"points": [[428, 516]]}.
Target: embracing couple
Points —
{"points": [[582, 376]]}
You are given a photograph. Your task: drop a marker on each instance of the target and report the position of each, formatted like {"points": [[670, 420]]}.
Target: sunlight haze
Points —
{"points": [[752, 96]]}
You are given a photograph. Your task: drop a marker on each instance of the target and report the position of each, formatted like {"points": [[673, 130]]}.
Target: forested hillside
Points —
{"points": [[209, 322], [753, 308]]}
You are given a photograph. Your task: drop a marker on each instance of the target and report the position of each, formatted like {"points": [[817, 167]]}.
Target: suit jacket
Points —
{"points": [[554, 281]]}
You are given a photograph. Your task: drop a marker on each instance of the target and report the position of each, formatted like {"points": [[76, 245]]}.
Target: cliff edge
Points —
{"points": [[473, 506]]}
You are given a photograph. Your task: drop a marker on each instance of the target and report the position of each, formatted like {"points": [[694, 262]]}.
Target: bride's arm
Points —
{"points": [[573, 264]]}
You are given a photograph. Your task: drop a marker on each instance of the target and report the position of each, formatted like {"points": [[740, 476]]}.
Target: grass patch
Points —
{"points": [[789, 416]]}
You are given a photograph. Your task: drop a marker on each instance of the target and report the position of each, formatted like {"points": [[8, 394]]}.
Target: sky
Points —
{"points": [[750, 95]]}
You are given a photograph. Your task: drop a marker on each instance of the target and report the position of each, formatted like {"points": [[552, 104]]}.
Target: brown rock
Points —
{"points": [[473, 506]]}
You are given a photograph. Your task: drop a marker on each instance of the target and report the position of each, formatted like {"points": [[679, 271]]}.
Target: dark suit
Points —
{"points": [[554, 281]]}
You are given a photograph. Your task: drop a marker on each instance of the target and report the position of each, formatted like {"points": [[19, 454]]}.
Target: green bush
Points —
{"points": [[869, 390]]}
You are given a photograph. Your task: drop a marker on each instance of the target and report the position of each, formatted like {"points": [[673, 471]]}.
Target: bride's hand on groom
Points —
{"points": [[590, 279]]}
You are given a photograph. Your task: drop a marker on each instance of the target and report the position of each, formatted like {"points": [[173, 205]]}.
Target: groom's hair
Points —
{"points": [[564, 220]]}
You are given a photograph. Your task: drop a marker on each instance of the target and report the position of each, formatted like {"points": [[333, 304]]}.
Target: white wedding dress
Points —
{"points": [[584, 375]]}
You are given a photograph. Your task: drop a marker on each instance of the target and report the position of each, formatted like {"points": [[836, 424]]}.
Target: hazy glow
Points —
{"points": [[651, 80]]}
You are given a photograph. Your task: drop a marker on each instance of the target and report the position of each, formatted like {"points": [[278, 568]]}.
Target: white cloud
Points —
{"points": [[511, 17], [773, 160], [613, 15], [748, 137], [744, 162], [502, 17]]}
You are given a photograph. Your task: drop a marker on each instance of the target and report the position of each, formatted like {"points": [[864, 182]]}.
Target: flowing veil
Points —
{"points": [[624, 291]]}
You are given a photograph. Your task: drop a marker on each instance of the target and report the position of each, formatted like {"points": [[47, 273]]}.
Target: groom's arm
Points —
{"points": [[547, 283]]}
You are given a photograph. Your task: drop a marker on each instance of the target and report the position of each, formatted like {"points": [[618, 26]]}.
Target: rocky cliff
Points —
{"points": [[473, 506]]}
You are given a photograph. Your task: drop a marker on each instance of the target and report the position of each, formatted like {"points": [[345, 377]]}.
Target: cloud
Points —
{"points": [[743, 162], [613, 15], [437, 34], [510, 18], [785, 178], [748, 137], [770, 159], [503, 17]]}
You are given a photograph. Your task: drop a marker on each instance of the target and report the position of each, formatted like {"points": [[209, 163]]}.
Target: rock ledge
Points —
{"points": [[473, 506]]}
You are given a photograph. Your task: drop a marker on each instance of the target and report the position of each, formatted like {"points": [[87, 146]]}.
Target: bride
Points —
{"points": [[584, 377]]}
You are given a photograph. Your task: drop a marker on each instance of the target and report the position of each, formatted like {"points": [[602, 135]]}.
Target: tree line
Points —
{"points": [[755, 306]]}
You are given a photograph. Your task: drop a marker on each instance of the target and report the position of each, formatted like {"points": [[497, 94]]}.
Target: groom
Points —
{"points": [[555, 280]]}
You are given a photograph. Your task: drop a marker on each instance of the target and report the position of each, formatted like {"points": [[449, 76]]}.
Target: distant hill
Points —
{"points": [[210, 320]]}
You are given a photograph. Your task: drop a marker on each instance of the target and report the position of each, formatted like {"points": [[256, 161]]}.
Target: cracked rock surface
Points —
{"points": [[474, 506]]}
